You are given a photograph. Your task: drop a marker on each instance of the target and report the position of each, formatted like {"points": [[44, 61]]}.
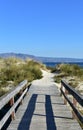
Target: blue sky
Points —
{"points": [[52, 28]]}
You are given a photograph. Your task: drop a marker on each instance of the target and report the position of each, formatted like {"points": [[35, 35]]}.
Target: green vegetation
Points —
{"points": [[73, 74], [66, 70], [53, 69], [73, 70], [13, 71]]}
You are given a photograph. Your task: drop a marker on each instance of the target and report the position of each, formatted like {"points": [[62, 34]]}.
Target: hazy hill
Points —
{"points": [[42, 59]]}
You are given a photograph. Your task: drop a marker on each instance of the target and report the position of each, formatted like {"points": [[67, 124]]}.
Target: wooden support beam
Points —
{"points": [[66, 92], [75, 105], [11, 104]]}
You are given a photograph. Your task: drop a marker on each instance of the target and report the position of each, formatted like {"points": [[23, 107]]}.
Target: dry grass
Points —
{"points": [[16, 70]]}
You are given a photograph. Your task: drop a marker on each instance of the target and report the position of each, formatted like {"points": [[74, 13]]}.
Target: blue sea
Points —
{"points": [[53, 64]]}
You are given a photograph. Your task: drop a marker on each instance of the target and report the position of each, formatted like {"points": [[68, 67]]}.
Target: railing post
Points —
{"points": [[11, 104], [61, 89], [75, 104], [65, 101], [20, 95], [66, 92], [27, 89], [76, 98]]}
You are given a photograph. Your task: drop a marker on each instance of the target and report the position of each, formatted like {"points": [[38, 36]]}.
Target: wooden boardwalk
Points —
{"points": [[43, 109]]}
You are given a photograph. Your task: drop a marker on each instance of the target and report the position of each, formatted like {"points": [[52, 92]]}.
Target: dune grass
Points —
{"points": [[68, 70], [14, 70], [72, 73]]}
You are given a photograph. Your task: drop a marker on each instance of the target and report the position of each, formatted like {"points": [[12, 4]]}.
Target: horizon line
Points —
{"points": [[38, 55]]}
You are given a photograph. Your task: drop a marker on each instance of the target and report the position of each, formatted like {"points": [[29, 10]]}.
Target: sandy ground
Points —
{"points": [[46, 80], [48, 75]]}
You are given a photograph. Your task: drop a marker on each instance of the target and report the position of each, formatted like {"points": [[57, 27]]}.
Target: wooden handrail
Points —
{"points": [[6, 98], [21, 89], [73, 92], [77, 98]]}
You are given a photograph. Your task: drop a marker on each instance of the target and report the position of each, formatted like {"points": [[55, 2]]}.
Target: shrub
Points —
{"points": [[12, 71], [69, 70]]}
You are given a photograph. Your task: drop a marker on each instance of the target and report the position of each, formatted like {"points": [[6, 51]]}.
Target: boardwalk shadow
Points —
{"points": [[49, 114], [25, 122]]}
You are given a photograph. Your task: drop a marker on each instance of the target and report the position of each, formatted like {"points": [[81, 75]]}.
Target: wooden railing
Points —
{"points": [[12, 100], [77, 98]]}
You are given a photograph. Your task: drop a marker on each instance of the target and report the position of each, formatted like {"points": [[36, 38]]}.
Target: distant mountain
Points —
{"points": [[18, 55], [41, 59]]}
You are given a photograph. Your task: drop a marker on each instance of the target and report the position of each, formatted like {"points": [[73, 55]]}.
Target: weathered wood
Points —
{"points": [[75, 105], [2, 122], [66, 92], [73, 92], [10, 98], [76, 98], [6, 98], [13, 112], [44, 109]]}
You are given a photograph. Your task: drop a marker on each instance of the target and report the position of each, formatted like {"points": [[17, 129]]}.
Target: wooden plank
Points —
{"points": [[5, 99], [46, 112], [77, 113], [7, 115], [73, 92]]}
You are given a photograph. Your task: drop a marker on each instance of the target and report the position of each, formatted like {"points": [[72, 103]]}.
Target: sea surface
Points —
{"points": [[53, 64]]}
